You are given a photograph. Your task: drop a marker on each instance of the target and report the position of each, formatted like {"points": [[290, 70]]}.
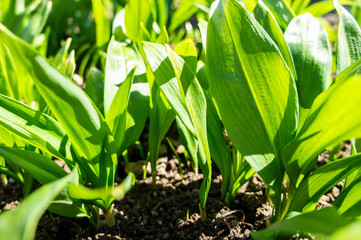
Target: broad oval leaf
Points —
{"points": [[121, 59], [349, 38], [311, 52], [117, 115], [164, 75], [252, 86]]}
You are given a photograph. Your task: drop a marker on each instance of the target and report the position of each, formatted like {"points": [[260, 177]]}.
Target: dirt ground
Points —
{"points": [[169, 209]]}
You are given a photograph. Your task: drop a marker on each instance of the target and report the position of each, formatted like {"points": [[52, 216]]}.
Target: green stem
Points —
{"points": [[110, 216], [203, 213]]}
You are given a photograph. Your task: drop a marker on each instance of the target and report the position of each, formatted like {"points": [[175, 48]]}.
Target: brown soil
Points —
{"points": [[168, 209]]}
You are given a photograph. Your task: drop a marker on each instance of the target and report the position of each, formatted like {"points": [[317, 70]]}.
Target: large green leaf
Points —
{"points": [[329, 122], [252, 86], [117, 114], [42, 168], [312, 56], [281, 10], [176, 78], [321, 180], [351, 231], [325, 222], [268, 22], [76, 113], [185, 67], [349, 38], [21, 223], [121, 59], [164, 75], [34, 127], [137, 13]]}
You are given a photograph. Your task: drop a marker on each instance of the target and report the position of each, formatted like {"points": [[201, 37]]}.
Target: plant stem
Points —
{"points": [[110, 216], [203, 213]]}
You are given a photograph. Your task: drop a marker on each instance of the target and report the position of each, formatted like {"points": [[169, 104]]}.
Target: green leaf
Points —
{"points": [[68, 66], [320, 130], [76, 113], [136, 13], [349, 37], [321, 180], [107, 195], [21, 223], [312, 56], [282, 12], [162, 12], [31, 23], [121, 59], [299, 5], [138, 112], [117, 114], [218, 147], [42, 168], [258, 105], [348, 202], [182, 14], [62, 53], [160, 119], [268, 22], [318, 9], [102, 23], [16, 68], [185, 67], [241, 171], [325, 221], [164, 75], [176, 78], [350, 231], [189, 143], [94, 87], [34, 127], [203, 29]]}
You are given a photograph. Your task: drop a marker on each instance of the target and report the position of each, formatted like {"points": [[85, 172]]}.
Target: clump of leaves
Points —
{"points": [[276, 100]]}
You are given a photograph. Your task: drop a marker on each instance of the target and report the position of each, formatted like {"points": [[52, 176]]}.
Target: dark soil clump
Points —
{"points": [[169, 210]]}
